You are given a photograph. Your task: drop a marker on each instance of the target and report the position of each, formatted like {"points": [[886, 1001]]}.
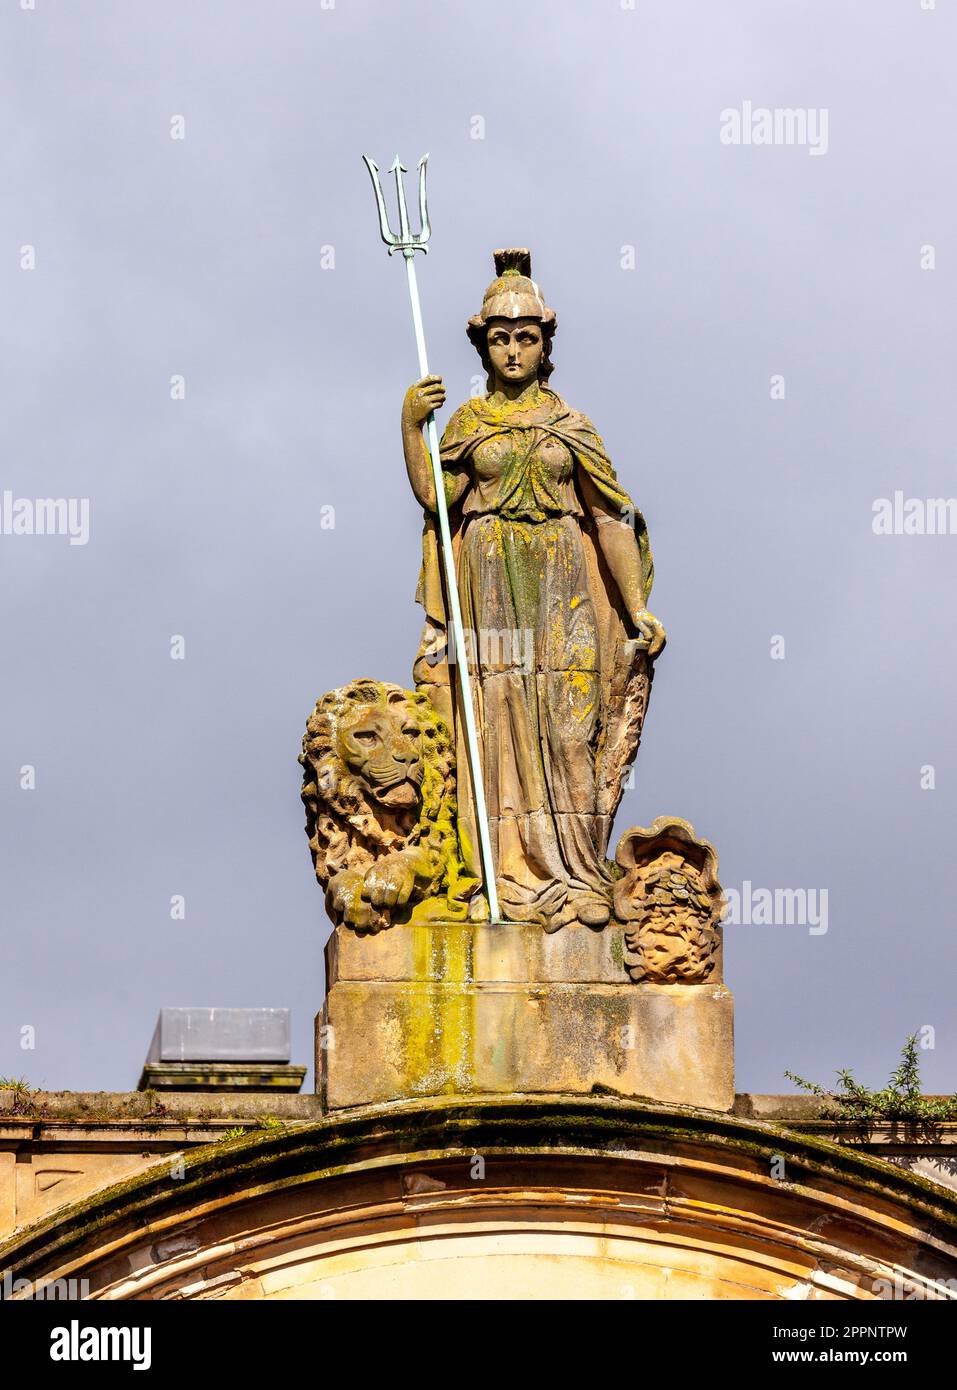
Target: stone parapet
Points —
{"points": [[221, 1076]]}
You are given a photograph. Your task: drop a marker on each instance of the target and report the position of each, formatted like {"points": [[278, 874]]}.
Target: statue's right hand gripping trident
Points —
{"points": [[422, 399]]}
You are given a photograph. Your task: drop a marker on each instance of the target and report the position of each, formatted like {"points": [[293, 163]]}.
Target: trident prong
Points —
{"points": [[425, 231], [384, 231], [398, 168], [405, 241]]}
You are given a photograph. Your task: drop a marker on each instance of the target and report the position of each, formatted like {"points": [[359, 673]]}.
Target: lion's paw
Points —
{"points": [[390, 881], [345, 897]]}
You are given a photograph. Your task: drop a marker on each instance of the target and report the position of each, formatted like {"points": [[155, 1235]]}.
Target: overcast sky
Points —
{"points": [[577, 129]]}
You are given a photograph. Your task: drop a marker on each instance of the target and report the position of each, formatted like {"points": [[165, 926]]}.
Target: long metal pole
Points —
{"points": [[458, 632]]}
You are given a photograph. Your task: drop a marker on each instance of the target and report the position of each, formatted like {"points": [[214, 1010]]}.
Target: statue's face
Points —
{"points": [[515, 349]]}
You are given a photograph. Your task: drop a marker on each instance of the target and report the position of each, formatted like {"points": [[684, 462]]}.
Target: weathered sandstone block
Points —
{"points": [[468, 1009]]}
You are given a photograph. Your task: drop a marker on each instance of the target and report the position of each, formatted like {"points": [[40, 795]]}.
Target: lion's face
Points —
{"points": [[381, 745]]}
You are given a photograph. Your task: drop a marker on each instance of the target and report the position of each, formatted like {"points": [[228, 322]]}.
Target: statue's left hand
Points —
{"points": [[651, 634]]}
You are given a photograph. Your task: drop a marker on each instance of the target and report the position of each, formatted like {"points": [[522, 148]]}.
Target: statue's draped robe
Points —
{"points": [[547, 647]]}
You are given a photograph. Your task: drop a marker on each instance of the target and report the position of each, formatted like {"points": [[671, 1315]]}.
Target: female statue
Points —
{"points": [[554, 571]]}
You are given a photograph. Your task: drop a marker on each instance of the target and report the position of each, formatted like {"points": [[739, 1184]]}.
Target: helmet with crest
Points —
{"points": [[513, 294]]}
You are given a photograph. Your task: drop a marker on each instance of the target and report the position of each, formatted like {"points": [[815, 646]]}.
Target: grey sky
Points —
{"points": [[201, 256]]}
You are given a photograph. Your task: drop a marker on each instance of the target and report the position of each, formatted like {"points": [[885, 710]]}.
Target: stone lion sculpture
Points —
{"points": [[379, 792]]}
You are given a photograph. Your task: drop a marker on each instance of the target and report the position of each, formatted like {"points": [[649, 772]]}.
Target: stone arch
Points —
{"points": [[537, 1198]]}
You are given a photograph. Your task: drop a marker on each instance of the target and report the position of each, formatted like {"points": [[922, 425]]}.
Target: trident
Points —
{"points": [[408, 245]]}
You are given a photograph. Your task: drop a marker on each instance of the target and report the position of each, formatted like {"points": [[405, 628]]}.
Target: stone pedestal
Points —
{"points": [[467, 1009]]}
